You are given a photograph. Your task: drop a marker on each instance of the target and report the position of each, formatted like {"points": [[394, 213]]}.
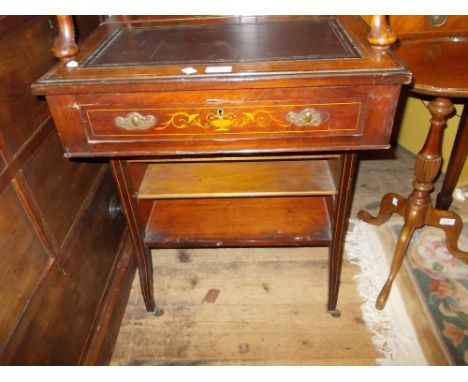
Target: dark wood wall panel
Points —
{"points": [[85, 25], [24, 56], [62, 315], [22, 260], [64, 261], [60, 193]]}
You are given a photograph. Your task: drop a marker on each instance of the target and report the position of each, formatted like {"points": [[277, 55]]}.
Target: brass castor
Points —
{"points": [[335, 313], [157, 312]]}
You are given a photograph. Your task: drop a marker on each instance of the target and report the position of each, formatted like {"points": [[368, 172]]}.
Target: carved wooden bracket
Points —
{"points": [[65, 47], [381, 35]]}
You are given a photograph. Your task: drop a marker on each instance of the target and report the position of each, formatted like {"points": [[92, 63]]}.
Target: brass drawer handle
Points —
{"points": [[306, 117], [437, 21], [135, 121]]}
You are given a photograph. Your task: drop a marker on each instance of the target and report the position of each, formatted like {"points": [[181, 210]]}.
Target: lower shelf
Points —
{"points": [[239, 222]]}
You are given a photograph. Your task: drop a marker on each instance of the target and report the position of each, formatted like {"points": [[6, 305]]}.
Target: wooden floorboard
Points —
{"points": [[270, 311]]}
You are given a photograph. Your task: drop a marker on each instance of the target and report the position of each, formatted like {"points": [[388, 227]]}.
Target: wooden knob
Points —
{"points": [[65, 47], [381, 35]]}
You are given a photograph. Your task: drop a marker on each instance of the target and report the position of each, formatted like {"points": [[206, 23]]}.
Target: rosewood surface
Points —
{"points": [[150, 90]]}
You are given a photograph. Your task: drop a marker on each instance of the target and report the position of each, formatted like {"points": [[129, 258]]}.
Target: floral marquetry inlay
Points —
{"points": [[220, 121], [322, 119]]}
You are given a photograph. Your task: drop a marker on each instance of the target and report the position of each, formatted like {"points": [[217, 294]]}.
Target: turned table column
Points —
{"points": [[439, 70], [417, 209]]}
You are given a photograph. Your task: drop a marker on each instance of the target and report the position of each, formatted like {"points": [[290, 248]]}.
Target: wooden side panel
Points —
{"points": [[136, 172], [22, 261], [60, 185], [64, 309]]}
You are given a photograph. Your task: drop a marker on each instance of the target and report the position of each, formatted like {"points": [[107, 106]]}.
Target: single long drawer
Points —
{"points": [[221, 121]]}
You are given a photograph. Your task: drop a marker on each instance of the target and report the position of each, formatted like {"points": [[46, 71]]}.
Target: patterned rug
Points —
{"points": [[393, 331], [439, 280], [442, 281]]}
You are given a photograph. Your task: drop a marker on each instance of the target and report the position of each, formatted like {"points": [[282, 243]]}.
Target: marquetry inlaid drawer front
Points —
{"points": [[290, 118], [226, 121]]}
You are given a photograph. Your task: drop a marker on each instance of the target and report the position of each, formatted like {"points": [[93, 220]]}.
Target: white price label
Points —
{"points": [[72, 64], [189, 70], [395, 201], [218, 69], [446, 221]]}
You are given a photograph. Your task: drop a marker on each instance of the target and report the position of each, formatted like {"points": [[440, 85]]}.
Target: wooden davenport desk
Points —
{"points": [[227, 131]]}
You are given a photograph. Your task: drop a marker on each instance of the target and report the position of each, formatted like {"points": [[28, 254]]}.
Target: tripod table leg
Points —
{"points": [[400, 251], [452, 225], [390, 204]]}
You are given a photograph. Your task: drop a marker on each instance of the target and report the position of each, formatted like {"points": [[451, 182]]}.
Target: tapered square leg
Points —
{"points": [[143, 254], [340, 224]]}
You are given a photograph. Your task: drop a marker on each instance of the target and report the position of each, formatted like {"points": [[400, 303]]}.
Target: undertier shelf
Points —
{"points": [[237, 179], [245, 222]]}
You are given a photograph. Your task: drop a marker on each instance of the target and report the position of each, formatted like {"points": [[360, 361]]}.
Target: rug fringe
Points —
{"points": [[393, 333]]}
